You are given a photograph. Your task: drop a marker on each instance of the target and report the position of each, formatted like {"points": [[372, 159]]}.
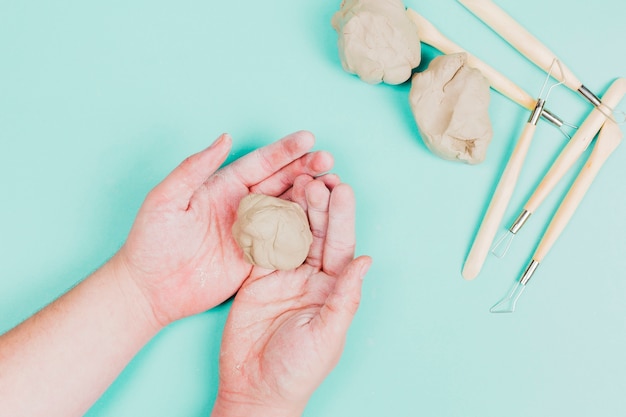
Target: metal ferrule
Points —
{"points": [[532, 267], [552, 118], [592, 98], [536, 114], [517, 224]]}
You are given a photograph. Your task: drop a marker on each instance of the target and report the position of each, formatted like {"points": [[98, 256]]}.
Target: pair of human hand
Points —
{"points": [[286, 329]]}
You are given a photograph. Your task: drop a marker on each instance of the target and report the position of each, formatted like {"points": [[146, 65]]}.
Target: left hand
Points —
{"points": [[180, 251]]}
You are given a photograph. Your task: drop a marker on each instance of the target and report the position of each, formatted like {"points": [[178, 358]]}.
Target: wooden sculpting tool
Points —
{"points": [[572, 151], [502, 195], [430, 35], [528, 45], [608, 140]]}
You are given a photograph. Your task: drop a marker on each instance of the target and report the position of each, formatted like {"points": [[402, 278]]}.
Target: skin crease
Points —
{"points": [[180, 259]]}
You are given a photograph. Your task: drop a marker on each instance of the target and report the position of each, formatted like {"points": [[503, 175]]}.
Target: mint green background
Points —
{"points": [[100, 100]]}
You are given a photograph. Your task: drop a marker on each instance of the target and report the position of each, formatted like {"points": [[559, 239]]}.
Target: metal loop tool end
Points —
{"points": [[537, 112], [532, 267], [519, 222]]}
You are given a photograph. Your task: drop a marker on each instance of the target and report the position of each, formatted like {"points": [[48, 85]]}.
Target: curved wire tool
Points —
{"points": [[535, 51], [608, 140], [570, 153], [506, 185], [430, 35]]}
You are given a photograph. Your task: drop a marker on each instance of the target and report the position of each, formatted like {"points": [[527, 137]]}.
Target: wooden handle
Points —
{"points": [[516, 35], [429, 34], [610, 137], [499, 202], [577, 145]]}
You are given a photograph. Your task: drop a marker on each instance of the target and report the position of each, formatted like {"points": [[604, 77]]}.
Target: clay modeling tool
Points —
{"points": [[430, 35], [570, 153], [529, 46], [608, 140], [504, 190]]}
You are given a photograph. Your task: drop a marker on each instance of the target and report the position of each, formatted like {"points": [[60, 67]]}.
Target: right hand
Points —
{"points": [[286, 329]]}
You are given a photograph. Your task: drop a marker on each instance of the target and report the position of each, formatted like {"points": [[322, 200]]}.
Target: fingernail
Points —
{"points": [[364, 270], [219, 140]]}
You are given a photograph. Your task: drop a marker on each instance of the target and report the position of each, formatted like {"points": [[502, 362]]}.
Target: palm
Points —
{"points": [[288, 355], [194, 253], [181, 244], [286, 329]]}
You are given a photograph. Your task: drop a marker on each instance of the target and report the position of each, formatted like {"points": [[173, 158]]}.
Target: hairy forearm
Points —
{"points": [[61, 360]]}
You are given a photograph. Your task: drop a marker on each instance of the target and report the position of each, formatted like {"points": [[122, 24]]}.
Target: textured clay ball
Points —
{"points": [[273, 233]]}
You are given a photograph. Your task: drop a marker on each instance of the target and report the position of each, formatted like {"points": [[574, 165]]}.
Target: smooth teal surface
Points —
{"points": [[100, 100]]}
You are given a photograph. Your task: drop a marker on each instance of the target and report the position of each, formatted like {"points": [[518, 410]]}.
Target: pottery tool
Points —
{"points": [[430, 35], [504, 190], [608, 140], [529, 46], [570, 153]]}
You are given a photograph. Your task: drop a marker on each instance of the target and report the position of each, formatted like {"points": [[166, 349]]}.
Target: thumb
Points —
{"points": [[180, 185], [341, 305]]}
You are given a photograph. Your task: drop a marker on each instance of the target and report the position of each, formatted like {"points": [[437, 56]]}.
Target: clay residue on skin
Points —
{"points": [[450, 103], [273, 233], [377, 41]]}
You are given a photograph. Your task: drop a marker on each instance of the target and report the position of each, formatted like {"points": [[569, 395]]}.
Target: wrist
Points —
{"points": [[228, 406], [135, 300]]}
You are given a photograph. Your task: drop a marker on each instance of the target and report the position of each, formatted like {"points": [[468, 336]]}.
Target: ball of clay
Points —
{"points": [[273, 233], [450, 103], [377, 40]]}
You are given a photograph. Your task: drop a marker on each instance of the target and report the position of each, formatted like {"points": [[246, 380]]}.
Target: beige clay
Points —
{"points": [[430, 35], [450, 103], [377, 41], [273, 233]]}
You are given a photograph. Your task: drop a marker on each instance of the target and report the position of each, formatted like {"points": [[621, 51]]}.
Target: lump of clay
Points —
{"points": [[450, 103], [273, 233], [377, 40]]}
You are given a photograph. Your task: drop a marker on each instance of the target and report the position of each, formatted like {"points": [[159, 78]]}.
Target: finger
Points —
{"points": [[330, 180], [180, 185], [317, 200], [340, 238], [341, 305], [265, 162], [313, 164], [297, 192]]}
